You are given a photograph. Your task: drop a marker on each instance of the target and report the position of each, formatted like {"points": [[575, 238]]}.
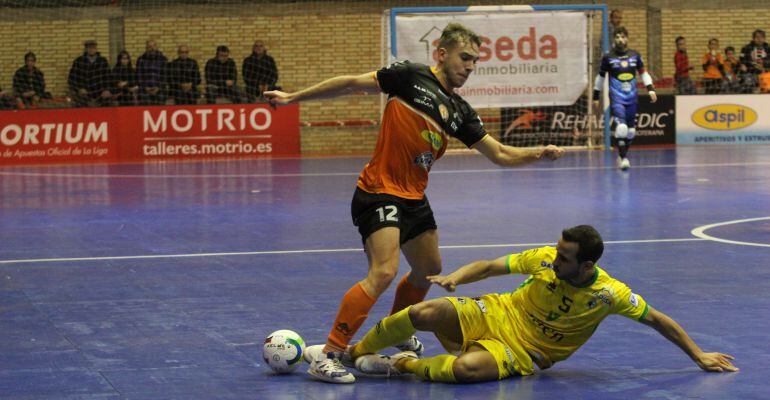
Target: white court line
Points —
{"points": [[700, 232], [311, 251], [332, 174]]}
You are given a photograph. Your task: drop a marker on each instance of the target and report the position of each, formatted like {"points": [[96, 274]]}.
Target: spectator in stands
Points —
{"points": [[7, 101], [755, 58], [616, 20], [222, 77], [183, 77], [732, 67], [29, 83], [713, 68], [150, 67], [126, 87], [90, 78], [259, 71], [682, 79]]}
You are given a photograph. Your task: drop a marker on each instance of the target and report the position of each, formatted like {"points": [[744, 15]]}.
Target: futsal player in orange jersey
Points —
{"points": [[389, 205]]}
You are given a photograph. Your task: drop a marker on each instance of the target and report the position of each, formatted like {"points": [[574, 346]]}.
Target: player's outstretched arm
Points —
{"points": [[333, 87], [666, 326], [472, 272], [501, 154]]}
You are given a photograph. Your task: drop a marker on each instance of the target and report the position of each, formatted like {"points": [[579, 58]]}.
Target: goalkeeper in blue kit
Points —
{"points": [[622, 65]]}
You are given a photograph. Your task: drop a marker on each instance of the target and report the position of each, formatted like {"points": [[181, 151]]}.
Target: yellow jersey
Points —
{"points": [[552, 318]]}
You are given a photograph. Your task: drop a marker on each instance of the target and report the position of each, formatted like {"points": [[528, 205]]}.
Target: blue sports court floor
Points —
{"points": [[160, 280]]}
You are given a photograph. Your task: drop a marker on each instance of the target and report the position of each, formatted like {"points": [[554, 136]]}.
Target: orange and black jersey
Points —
{"points": [[419, 115]]}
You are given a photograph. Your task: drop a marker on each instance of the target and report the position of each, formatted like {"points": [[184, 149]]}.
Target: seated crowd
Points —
{"points": [[152, 80]]}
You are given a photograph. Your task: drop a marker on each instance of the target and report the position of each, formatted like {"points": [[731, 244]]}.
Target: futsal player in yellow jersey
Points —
{"points": [[544, 321]]}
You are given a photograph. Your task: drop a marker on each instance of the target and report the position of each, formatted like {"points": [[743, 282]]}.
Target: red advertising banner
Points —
{"points": [[57, 136], [144, 133]]}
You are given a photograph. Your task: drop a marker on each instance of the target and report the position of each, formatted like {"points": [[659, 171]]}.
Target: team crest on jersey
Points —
{"points": [[444, 112], [604, 295], [624, 64], [434, 138], [425, 160]]}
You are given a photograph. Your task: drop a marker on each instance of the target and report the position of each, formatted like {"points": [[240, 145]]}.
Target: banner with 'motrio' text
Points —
{"points": [[526, 59], [145, 133]]}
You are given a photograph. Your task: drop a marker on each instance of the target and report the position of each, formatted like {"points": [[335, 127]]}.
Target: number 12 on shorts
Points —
{"points": [[388, 213]]}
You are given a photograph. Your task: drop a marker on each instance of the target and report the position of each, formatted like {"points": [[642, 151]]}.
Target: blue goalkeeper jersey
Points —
{"points": [[622, 69]]}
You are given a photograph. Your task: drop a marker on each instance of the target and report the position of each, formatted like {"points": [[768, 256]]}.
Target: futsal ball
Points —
{"points": [[283, 351]]}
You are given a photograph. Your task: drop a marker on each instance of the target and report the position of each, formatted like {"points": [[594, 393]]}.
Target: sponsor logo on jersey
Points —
{"points": [[723, 117], [509, 364], [444, 112], [626, 76], [552, 316], [633, 299], [433, 138], [425, 160], [423, 90], [546, 329], [604, 295], [481, 305], [425, 101]]}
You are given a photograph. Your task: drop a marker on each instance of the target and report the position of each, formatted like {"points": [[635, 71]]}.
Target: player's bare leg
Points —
{"points": [[382, 250], [423, 256]]}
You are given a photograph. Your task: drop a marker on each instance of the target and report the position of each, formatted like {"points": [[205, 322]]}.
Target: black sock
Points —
{"points": [[623, 145]]}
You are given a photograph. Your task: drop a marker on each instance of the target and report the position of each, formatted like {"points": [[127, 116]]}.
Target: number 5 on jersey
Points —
{"points": [[388, 213]]}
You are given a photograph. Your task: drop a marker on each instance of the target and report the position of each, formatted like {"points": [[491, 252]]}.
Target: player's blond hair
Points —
{"points": [[455, 34]]}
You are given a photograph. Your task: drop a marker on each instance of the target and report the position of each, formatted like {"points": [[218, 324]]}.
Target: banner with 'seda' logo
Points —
{"points": [[726, 119], [525, 59]]}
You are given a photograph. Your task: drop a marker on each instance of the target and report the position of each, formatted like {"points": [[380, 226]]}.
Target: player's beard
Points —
{"points": [[621, 47], [566, 277]]}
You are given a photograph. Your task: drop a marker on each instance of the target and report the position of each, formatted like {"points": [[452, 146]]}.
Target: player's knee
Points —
{"points": [[381, 276], [384, 276], [465, 370], [621, 131], [419, 314], [433, 269], [631, 133], [423, 315]]}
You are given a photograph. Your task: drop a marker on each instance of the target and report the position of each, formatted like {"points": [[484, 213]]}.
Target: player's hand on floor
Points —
{"points": [[716, 362], [445, 282], [552, 152]]}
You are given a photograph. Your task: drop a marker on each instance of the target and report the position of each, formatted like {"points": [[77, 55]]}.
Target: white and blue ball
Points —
{"points": [[283, 351]]}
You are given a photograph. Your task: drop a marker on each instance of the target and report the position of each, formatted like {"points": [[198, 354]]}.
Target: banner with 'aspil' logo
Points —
{"points": [[725, 119], [525, 59]]}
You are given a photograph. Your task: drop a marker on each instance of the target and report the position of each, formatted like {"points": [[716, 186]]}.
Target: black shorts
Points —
{"points": [[372, 212]]}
